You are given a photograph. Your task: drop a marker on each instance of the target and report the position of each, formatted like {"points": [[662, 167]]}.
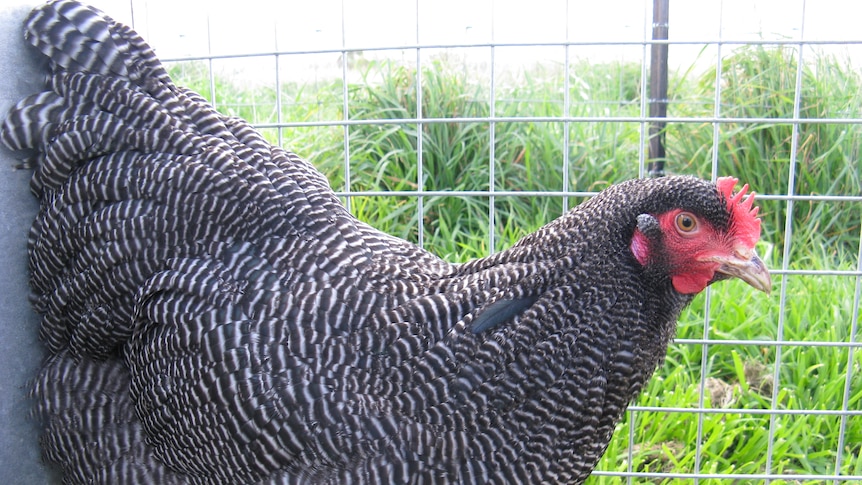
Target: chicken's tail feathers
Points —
{"points": [[80, 38], [96, 64], [106, 92]]}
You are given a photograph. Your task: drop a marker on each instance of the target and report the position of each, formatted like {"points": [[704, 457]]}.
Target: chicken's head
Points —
{"points": [[697, 249]]}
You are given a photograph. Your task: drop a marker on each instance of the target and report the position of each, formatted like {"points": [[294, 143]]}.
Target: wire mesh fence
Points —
{"points": [[462, 126]]}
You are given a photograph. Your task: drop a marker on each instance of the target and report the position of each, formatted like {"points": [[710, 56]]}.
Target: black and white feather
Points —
{"points": [[215, 315]]}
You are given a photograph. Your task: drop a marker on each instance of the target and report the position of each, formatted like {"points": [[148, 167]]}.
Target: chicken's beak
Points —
{"points": [[748, 267]]}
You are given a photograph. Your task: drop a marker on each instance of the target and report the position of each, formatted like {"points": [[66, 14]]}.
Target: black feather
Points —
{"points": [[499, 312]]}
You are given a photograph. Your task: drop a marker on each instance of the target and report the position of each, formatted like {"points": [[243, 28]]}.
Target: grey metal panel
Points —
{"points": [[20, 351]]}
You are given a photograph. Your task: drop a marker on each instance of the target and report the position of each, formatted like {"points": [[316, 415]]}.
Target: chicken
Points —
{"points": [[215, 315]]}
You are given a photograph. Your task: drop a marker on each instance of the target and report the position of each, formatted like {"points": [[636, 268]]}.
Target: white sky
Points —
{"points": [[179, 28]]}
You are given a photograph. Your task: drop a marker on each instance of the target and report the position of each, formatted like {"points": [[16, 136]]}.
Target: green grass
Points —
{"points": [[756, 82]]}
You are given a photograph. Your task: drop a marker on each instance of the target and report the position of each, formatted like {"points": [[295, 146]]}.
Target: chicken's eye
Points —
{"points": [[686, 223]]}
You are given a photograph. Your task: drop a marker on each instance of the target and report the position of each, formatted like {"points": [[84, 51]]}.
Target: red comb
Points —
{"points": [[743, 214]]}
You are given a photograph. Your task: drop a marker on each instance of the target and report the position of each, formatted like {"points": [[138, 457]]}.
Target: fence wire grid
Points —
{"points": [[768, 91]]}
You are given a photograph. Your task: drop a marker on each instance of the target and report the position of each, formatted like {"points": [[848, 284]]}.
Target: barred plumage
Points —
{"points": [[215, 314]]}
